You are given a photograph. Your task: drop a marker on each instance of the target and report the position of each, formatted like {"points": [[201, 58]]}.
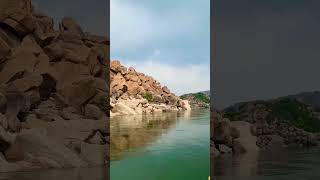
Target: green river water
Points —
{"points": [[166, 146]]}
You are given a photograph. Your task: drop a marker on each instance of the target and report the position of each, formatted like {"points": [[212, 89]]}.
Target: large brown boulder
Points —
{"points": [[117, 67], [18, 15], [70, 25], [34, 146], [80, 92], [37, 61]]}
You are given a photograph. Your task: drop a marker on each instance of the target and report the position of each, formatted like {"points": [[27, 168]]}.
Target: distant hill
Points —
{"points": [[309, 98], [300, 110], [206, 92], [198, 100]]}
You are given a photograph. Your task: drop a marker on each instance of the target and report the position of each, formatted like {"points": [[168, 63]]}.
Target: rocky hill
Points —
{"points": [[133, 92], [274, 124], [198, 100], [53, 92]]}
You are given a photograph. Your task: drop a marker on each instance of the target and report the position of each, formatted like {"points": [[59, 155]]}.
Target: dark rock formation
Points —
{"points": [[53, 89]]}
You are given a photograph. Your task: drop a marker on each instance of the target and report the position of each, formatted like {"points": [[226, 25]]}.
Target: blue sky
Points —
{"points": [[169, 40]]}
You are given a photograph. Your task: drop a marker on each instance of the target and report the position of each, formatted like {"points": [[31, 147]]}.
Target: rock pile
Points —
{"points": [[54, 92], [231, 137], [267, 132], [136, 93], [197, 100]]}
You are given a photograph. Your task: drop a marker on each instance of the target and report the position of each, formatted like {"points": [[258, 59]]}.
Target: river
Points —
{"points": [[165, 146], [96, 173], [290, 164]]}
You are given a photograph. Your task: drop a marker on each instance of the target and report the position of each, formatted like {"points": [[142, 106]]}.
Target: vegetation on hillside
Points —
{"points": [[296, 113], [148, 96], [198, 96], [293, 112]]}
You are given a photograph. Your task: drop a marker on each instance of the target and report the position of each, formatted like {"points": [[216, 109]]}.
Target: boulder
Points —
{"points": [[247, 142], [75, 53], [271, 142], [134, 90], [17, 15], [224, 149], [80, 92], [5, 166], [55, 51], [36, 147], [92, 112], [96, 39], [29, 81], [70, 25], [222, 132], [3, 121], [70, 113], [166, 89], [170, 99], [133, 78], [38, 61], [93, 153], [3, 103], [5, 139], [15, 103], [123, 108], [97, 139], [8, 40], [118, 83], [185, 105], [68, 131]]}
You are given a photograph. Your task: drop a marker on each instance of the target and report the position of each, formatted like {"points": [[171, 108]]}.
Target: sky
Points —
{"points": [[169, 40], [264, 49], [93, 15]]}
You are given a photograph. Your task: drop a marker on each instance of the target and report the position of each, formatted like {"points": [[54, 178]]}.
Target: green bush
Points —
{"points": [[297, 114], [202, 97], [148, 96]]}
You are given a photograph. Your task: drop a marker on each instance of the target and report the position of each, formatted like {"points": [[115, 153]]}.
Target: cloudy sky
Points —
{"points": [[169, 40], [93, 15], [264, 49]]}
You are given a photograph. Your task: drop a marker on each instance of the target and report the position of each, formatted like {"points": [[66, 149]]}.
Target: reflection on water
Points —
{"points": [[130, 133], [165, 146], [287, 164], [97, 173]]}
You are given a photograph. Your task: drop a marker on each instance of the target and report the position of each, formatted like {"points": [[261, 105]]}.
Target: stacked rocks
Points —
{"points": [[254, 123], [54, 93], [136, 93]]}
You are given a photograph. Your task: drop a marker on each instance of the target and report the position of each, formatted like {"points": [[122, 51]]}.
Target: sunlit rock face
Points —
{"points": [[132, 92]]}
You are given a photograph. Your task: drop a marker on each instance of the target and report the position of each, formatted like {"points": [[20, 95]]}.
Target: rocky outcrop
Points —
{"points": [[53, 92], [234, 137], [132, 92], [198, 100], [268, 125]]}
